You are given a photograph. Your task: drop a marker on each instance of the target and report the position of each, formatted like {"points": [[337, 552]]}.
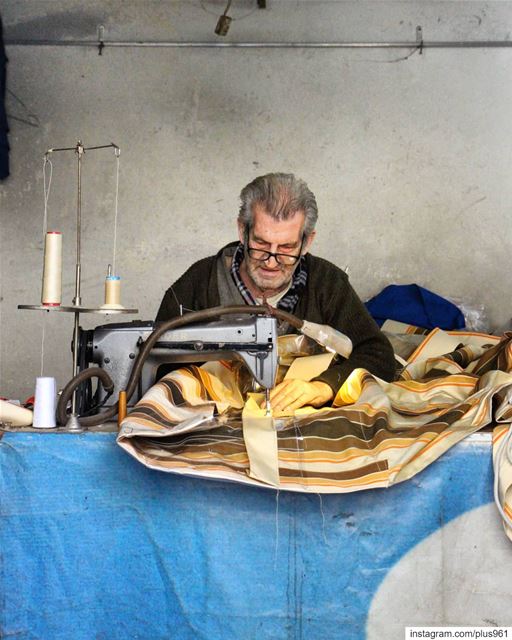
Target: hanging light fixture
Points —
{"points": [[224, 21]]}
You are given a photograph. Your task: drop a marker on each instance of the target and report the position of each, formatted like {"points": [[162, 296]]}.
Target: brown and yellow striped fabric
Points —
{"points": [[375, 434]]}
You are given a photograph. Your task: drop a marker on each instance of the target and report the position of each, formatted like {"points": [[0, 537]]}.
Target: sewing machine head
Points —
{"points": [[114, 347]]}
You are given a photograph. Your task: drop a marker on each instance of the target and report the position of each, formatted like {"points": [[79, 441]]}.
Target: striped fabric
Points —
{"points": [[502, 460], [375, 434]]}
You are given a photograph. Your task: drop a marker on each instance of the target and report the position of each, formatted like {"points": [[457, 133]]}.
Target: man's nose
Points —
{"points": [[271, 262]]}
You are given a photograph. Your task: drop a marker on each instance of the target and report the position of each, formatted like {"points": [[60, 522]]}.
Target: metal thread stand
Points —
{"points": [[73, 424], [76, 308]]}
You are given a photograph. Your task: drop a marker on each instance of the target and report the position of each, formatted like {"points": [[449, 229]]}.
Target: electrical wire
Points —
{"points": [[93, 410], [31, 119], [228, 6]]}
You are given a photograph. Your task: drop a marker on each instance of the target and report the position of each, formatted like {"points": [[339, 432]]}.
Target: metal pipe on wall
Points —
{"points": [[449, 44]]}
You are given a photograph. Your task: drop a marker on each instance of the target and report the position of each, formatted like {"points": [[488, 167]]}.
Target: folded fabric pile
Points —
{"points": [[375, 434]]}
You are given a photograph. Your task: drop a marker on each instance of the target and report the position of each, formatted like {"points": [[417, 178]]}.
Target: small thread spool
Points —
{"points": [[112, 291], [51, 294]]}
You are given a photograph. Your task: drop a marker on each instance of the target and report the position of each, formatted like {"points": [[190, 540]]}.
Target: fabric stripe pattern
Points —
{"points": [[375, 434]]}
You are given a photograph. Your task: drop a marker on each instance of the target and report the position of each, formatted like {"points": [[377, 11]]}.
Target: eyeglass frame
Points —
{"points": [[274, 255]]}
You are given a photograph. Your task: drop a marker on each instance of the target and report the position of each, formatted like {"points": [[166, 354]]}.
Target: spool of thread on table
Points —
{"points": [[51, 294], [45, 403]]}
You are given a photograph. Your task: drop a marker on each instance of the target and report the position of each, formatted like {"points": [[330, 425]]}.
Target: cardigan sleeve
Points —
{"points": [[342, 309]]}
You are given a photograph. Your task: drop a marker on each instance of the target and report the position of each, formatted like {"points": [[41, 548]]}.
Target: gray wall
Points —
{"points": [[410, 159]]}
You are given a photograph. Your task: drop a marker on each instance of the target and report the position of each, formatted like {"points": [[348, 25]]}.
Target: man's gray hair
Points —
{"points": [[281, 195]]}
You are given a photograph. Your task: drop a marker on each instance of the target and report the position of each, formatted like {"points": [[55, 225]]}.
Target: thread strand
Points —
{"points": [[117, 152], [46, 194]]}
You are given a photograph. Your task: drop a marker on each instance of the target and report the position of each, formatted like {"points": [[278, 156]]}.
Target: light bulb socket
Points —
{"points": [[222, 27]]}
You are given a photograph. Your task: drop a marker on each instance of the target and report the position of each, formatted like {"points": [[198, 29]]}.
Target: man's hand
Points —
{"points": [[292, 394]]}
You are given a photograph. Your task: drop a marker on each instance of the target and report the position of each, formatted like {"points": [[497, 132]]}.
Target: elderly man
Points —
{"points": [[272, 263]]}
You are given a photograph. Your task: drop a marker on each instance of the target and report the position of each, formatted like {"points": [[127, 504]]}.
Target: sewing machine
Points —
{"points": [[114, 347]]}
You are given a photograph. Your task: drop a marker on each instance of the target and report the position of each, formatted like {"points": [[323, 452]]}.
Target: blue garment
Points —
{"points": [[415, 305]]}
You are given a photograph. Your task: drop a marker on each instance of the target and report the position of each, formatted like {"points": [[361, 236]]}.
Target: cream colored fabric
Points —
{"points": [[260, 441], [437, 343], [394, 326], [502, 459], [259, 431], [308, 367]]}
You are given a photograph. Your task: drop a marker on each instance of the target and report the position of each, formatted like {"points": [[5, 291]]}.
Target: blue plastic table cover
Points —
{"points": [[95, 545]]}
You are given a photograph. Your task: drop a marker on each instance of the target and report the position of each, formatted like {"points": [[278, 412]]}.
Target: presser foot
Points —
{"points": [[268, 408]]}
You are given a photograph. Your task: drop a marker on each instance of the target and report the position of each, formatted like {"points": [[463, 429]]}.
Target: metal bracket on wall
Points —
{"points": [[419, 38], [101, 39]]}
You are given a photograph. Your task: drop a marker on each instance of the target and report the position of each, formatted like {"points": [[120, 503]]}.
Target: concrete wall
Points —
{"points": [[410, 159]]}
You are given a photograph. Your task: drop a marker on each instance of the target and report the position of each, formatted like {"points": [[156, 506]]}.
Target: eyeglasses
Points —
{"points": [[285, 259]]}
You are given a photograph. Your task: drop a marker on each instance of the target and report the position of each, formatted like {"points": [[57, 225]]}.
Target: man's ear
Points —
{"points": [[241, 231], [308, 242]]}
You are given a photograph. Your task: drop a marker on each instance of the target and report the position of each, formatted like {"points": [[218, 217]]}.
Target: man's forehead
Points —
{"points": [[264, 222]]}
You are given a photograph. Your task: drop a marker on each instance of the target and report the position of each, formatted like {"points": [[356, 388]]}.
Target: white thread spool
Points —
{"points": [[45, 403], [112, 293], [52, 272]]}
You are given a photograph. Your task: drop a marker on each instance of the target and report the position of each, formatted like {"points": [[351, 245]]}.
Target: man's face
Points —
{"points": [[277, 236]]}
